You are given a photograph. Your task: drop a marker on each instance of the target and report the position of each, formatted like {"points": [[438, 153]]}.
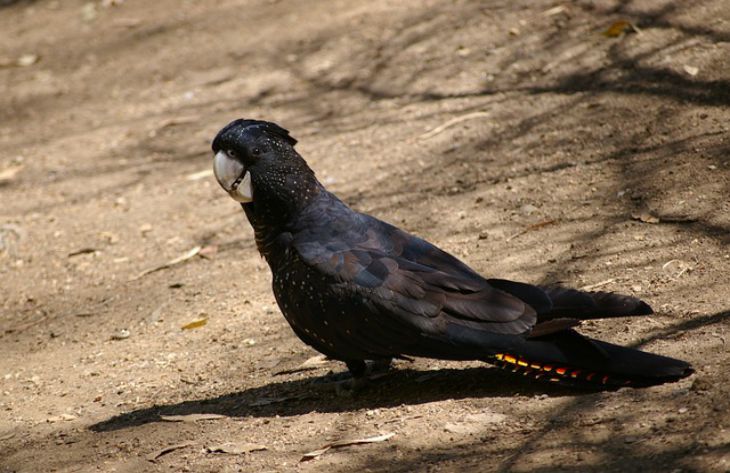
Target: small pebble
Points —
{"points": [[528, 209]]}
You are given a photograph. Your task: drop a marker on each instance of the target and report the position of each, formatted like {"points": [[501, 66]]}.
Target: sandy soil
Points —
{"points": [[513, 134]]}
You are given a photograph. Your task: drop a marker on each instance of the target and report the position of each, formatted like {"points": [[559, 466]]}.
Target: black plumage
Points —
{"points": [[356, 288]]}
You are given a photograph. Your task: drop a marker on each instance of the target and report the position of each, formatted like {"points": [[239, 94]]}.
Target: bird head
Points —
{"points": [[256, 160]]}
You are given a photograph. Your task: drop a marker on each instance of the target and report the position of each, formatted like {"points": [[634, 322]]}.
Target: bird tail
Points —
{"points": [[555, 352], [571, 303], [569, 358]]}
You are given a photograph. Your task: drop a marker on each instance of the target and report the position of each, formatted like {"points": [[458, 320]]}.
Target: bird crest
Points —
{"points": [[268, 127]]}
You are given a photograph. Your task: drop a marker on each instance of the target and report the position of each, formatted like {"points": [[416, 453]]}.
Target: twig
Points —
{"points": [[452, 122], [184, 120], [172, 262], [205, 173], [590, 287], [164, 451], [82, 251], [529, 228], [345, 443]]}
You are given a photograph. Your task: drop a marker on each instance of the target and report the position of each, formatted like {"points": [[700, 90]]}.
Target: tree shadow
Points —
{"points": [[481, 162], [380, 76], [682, 328]]}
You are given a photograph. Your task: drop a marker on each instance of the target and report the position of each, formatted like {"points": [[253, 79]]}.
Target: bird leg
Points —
{"points": [[367, 368], [361, 372]]}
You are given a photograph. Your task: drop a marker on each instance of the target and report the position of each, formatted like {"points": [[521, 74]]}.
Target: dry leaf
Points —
{"points": [[164, 451], [27, 60], [691, 70], [197, 323], [190, 254], [620, 27], [555, 10], [345, 443], [7, 175], [315, 361], [209, 251], [64, 417], [236, 448], [191, 417], [310, 364], [644, 215], [676, 267]]}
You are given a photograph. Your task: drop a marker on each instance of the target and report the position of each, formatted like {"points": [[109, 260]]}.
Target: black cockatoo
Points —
{"points": [[356, 288]]}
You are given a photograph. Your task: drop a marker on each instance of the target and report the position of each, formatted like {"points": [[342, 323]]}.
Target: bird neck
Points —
{"points": [[272, 213]]}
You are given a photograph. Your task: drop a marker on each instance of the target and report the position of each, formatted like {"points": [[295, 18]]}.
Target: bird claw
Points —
{"points": [[347, 385], [350, 387], [376, 367], [343, 384]]}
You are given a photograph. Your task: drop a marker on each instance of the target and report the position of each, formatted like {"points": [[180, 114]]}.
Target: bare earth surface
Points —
{"points": [[513, 134]]}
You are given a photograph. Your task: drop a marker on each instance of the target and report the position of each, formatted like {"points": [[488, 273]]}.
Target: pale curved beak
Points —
{"points": [[233, 177]]}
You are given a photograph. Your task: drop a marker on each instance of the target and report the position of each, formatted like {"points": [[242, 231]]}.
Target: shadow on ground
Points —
{"points": [[395, 388]]}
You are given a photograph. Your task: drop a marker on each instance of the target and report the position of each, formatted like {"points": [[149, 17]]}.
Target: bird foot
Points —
{"points": [[358, 377], [350, 387], [377, 367]]}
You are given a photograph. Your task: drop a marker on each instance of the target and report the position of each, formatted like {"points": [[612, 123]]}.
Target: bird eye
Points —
{"points": [[256, 151]]}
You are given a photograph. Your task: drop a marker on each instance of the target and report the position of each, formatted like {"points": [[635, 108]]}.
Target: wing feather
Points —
{"points": [[410, 278]]}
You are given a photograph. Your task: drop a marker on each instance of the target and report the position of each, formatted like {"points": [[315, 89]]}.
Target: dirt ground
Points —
{"points": [[514, 134]]}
